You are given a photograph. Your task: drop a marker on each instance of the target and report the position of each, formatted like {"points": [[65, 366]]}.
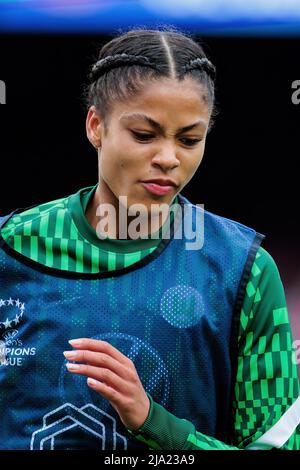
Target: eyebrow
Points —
{"points": [[158, 126]]}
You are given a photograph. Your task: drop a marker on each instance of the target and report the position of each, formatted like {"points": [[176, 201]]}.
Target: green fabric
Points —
{"points": [[78, 204], [160, 422], [57, 234]]}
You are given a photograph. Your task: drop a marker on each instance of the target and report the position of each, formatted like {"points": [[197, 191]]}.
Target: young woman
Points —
{"points": [[173, 346]]}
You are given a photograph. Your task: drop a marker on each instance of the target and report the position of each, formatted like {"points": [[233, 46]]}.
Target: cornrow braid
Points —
{"points": [[112, 61], [157, 54], [202, 64]]}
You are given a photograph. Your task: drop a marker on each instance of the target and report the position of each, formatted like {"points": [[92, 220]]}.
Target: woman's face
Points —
{"points": [[158, 134]]}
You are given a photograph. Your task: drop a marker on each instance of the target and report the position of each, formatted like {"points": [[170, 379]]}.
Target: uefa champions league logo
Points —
{"points": [[2, 92], [14, 312], [12, 350]]}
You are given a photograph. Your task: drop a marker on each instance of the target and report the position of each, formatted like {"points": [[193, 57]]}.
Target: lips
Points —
{"points": [[161, 181], [157, 189]]}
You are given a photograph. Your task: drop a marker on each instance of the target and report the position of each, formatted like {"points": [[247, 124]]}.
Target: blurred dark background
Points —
{"points": [[250, 171]]}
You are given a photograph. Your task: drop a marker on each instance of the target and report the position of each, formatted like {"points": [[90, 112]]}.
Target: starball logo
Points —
{"points": [[2, 92]]}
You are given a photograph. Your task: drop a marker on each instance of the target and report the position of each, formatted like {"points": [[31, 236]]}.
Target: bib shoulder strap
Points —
{"points": [[4, 218]]}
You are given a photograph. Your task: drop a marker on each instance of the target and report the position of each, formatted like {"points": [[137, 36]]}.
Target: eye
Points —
{"points": [[142, 136], [190, 142]]}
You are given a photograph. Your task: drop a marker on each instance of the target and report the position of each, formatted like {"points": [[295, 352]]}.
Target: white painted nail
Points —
{"points": [[71, 366], [70, 354]]}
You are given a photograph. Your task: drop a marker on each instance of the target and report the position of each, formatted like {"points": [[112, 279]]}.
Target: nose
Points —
{"points": [[166, 157]]}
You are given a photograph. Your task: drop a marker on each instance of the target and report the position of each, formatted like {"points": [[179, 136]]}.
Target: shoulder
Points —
{"points": [[265, 267], [264, 303], [32, 220], [219, 224]]}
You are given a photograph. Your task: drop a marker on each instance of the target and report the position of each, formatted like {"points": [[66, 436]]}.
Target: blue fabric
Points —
{"points": [[172, 316], [4, 218]]}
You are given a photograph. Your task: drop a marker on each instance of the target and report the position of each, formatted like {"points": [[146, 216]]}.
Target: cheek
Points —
{"points": [[126, 154], [193, 162], [116, 169], [190, 166], [124, 165]]}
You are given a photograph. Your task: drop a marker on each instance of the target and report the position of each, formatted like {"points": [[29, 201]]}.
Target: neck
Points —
{"points": [[108, 223]]}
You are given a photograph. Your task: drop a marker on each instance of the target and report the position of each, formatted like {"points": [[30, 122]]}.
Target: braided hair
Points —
{"points": [[128, 61]]}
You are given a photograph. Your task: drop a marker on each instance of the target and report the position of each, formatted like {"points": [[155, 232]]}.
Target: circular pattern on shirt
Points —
{"points": [[182, 306], [148, 363]]}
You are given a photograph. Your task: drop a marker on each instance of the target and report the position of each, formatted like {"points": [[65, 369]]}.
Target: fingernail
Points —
{"points": [[75, 342], [70, 354], [71, 366], [92, 382]]}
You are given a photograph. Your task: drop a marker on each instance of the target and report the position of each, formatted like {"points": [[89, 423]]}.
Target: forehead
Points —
{"points": [[166, 100]]}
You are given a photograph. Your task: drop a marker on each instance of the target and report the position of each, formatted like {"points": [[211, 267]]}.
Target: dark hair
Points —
{"points": [[127, 61]]}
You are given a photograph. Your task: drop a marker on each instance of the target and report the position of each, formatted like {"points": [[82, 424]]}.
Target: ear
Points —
{"points": [[94, 126]]}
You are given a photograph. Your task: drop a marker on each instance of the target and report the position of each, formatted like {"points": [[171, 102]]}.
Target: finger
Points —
{"points": [[100, 346], [101, 360], [107, 392], [103, 375]]}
